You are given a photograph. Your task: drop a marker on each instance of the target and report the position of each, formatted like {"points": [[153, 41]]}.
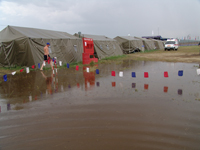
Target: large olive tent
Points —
{"points": [[129, 44], [148, 44], [24, 46], [158, 43], [104, 46]]}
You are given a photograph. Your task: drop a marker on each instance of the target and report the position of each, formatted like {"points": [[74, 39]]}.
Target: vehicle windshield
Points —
{"points": [[170, 42]]}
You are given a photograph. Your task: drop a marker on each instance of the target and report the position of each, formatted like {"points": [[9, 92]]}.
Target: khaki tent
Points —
{"points": [[24, 46], [148, 44], [104, 46], [129, 44], [158, 43]]}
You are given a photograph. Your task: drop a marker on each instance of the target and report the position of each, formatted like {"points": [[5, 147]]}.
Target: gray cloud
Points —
{"points": [[106, 17]]}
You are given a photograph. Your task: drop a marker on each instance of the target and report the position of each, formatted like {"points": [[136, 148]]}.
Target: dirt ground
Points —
{"points": [[183, 54]]}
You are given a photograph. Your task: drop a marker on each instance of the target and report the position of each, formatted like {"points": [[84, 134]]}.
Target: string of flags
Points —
{"points": [[113, 73], [146, 74], [33, 67]]}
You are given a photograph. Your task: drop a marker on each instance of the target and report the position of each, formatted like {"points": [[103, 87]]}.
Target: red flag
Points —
{"points": [[33, 66], [166, 74], [113, 73], [146, 74], [21, 70], [77, 67]]}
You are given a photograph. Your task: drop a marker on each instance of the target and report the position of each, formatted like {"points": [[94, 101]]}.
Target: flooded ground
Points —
{"points": [[85, 110]]}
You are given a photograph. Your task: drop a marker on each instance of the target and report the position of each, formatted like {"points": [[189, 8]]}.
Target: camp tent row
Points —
{"points": [[151, 44], [129, 44], [24, 46], [103, 46]]}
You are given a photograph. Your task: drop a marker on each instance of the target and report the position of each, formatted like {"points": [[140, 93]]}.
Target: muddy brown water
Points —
{"points": [[83, 110]]}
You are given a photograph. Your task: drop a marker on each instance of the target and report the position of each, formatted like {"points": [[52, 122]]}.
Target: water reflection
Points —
{"points": [[133, 85], [8, 107], [146, 86], [48, 80], [23, 88], [165, 89], [89, 77], [180, 92], [113, 84], [98, 84]]}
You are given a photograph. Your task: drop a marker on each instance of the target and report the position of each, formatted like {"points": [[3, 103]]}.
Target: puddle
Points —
{"points": [[129, 104]]}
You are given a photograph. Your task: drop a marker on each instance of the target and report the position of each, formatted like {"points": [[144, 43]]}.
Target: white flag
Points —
{"points": [[60, 63], [198, 71], [13, 73], [27, 70], [121, 74]]}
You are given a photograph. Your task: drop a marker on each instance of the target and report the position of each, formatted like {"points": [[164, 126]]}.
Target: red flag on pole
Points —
{"points": [[33, 66], [146, 74], [113, 73], [166, 74], [77, 67], [21, 70]]}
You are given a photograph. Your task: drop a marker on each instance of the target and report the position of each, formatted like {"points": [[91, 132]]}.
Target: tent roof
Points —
{"points": [[127, 37], [13, 32], [144, 39], [96, 37]]}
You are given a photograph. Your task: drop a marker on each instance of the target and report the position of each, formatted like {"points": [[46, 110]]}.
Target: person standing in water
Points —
{"points": [[47, 58]]}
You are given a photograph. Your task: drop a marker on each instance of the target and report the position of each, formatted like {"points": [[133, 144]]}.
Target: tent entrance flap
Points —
{"points": [[7, 55]]}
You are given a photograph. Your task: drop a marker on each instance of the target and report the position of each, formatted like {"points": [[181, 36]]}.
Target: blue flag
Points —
{"points": [[67, 65], [180, 73], [97, 71], [5, 77], [133, 75], [39, 65]]}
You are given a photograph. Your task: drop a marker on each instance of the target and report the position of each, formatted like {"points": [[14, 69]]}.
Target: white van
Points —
{"points": [[171, 44]]}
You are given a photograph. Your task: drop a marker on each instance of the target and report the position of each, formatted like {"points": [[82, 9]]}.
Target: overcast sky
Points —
{"points": [[169, 18]]}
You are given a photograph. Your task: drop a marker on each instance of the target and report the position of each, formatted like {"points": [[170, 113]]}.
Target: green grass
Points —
{"points": [[74, 64], [150, 51], [114, 57], [189, 49]]}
